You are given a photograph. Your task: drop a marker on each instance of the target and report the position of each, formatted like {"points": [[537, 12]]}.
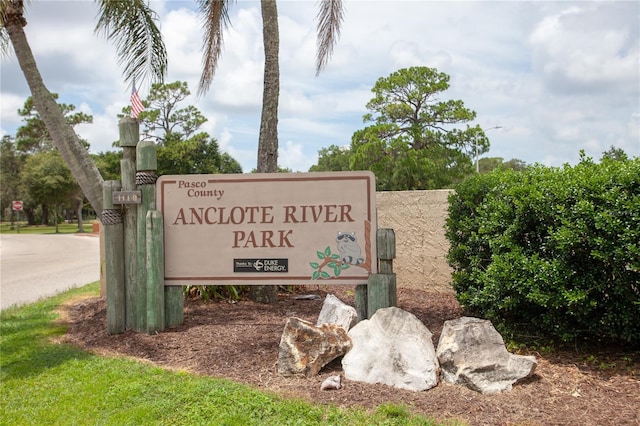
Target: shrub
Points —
{"points": [[552, 252]]}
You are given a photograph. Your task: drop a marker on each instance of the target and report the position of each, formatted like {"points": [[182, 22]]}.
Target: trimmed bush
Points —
{"points": [[551, 252]]}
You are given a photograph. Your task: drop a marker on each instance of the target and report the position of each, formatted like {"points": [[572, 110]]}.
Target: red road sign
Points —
{"points": [[16, 205]]}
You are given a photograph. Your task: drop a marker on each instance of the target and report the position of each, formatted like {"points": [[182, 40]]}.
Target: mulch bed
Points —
{"points": [[239, 341]]}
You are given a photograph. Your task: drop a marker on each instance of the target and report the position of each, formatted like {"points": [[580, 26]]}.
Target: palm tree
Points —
{"points": [[268, 139], [132, 25], [139, 43], [215, 16], [65, 139]]}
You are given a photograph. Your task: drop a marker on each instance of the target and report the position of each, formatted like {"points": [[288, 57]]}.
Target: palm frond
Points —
{"points": [[10, 9], [330, 15], [5, 42], [131, 24], [215, 18]]}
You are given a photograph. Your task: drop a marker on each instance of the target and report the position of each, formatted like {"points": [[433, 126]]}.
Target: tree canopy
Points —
{"points": [[412, 141], [332, 159], [182, 148], [41, 179], [615, 154], [488, 164], [33, 135]]}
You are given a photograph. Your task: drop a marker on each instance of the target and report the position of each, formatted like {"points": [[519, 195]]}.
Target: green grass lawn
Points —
{"points": [[42, 382], [63, 228]]}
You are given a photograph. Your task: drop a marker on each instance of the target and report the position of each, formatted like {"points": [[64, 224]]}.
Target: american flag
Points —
{"points": [[136, 102]]}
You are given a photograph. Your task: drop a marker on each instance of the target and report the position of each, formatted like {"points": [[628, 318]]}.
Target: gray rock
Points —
{"points": [[393, 348], [305, 348], [335, 311], [331, 383], [472, 353]]}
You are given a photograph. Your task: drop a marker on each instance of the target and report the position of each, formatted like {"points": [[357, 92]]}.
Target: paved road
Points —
{"points": [[37, 266]]}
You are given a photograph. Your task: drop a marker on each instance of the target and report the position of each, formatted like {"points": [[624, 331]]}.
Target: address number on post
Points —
{"points": [[127, 197]]}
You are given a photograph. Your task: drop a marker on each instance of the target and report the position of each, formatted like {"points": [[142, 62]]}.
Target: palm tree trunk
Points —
{"points": [[65, 139], [268, 142], [80, 203]]}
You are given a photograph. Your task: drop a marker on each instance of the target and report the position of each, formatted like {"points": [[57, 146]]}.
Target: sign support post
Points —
{"points": [[155, 272], [16, 206], [129, 136], [146, 177], [114, 268]]}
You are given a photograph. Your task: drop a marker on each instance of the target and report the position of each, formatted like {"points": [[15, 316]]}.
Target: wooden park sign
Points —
{"points": [[265, 229], [300, 228]]}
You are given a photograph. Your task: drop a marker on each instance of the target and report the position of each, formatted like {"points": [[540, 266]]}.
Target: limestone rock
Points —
{"points": [[393, 348], [305, 348], [331, 382], [472, 353], [335, 311]]}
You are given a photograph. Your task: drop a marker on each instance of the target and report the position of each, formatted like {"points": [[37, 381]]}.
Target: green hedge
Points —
{"points": [[551, 252]]}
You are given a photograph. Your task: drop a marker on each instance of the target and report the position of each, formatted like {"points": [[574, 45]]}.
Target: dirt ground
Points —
{"points": [[239, 341]]}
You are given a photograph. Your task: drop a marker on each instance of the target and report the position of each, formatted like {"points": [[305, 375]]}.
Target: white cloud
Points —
{"points": [[578, 52], [291, 156], [9, 106], [557, 76]]}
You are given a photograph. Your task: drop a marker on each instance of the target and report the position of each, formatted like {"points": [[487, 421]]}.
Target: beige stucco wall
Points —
{"points": [[418, 219]]}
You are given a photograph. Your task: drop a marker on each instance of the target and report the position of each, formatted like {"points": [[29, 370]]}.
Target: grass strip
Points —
{"points": [[63, 228], [42, 382]]}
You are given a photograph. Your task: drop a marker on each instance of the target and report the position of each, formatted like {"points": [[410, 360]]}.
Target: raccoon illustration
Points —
{"points": [[348, 248]]}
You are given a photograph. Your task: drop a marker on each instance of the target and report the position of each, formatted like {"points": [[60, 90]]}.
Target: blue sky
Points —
{"points": [[557, 77]]}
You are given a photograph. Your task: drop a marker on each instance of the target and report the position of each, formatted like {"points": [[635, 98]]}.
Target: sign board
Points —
{"points": [[270, 228], [16, 206]]}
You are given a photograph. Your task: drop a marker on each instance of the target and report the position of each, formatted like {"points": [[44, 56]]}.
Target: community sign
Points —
{"points": [[269, 228]]}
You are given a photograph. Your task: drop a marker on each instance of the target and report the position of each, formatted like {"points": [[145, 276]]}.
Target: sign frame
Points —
{"points": [[269, 228]]}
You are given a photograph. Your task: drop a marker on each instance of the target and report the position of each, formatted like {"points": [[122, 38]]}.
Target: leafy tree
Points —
{"points": [[332, 159], [613, 153], [228, 164], [12, 22], [215, 15], [516, 164], [108, 163], [33, 135], [162, 117], [47, 180], [181, 147], [131, 24], [488, 164], [11, 163], [200, 154], [412, 143]]}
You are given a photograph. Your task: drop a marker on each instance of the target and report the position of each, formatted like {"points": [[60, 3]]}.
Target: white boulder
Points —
{"points": [[393, 348], [335, 311]]}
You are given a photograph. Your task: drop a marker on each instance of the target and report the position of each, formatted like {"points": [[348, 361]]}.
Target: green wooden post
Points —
{"points": [[361, 301], [146, 164], [129, 136], [114, 268], [174, 305], [386, 244], [155, 272], [378, 292], [381, 287]]}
